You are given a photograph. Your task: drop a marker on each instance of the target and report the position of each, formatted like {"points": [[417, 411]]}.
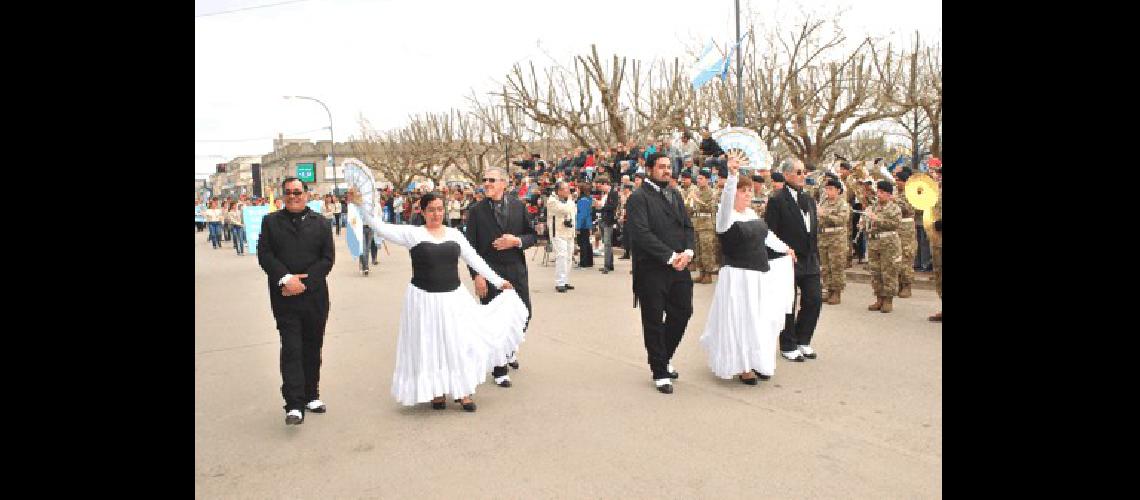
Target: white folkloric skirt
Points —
{"points": [[448, 342], [746, 316]]}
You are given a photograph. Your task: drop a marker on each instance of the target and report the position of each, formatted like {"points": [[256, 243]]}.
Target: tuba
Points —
{"points": [[922, 193]]}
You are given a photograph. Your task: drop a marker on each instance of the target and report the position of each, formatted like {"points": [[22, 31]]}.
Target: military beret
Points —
{"points": [[705, 172], [778, 177], [686, 175], [834, 183], [885, 186], [759, 179]]}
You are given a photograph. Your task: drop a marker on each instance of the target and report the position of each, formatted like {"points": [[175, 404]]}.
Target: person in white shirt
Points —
{"points": [[214, 218], [560, 213]]}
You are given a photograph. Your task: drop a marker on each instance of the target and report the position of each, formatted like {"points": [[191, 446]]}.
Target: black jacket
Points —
{"points": [[609, 210], [483, 229], [709, 147], [304, 247], [655, 231], [785, 218]]}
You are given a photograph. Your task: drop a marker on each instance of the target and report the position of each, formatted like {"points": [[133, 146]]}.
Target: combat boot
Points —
{"points": [[904, 292], [833, 297], [877, 305], [887, 306]]}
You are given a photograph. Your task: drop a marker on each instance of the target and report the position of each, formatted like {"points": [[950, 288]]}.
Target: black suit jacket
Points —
{"points": [[655, 231], [483, 229], [785, 218], [304, 248]]}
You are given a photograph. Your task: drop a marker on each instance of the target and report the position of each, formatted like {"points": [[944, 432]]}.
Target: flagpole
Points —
{"points": [[739, 73]]}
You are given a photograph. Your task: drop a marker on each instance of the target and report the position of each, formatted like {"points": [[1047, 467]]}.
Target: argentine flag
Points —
{"points": [[354, 231], [708, 65]]}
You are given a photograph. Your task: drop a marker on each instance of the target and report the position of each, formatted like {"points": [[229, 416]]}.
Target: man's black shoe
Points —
{"points": [[569, 286], [665, 389], [761, 376], [561, 289]]}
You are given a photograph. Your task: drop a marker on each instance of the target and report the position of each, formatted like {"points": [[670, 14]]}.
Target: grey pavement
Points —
{"points": [[582, 420]]}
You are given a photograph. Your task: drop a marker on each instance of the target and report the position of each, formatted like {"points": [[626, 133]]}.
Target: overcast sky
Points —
{"points": [[387, 59]]}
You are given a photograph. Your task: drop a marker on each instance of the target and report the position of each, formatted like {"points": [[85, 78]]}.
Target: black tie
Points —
{"points": [[669, 197], [500, 210]]}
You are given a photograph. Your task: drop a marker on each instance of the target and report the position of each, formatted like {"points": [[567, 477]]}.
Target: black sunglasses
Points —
{"points": [[490, 179], [297, 192]]}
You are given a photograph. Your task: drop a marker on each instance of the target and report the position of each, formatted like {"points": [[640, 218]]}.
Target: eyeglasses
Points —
{"points": [[296, 192], [491, 179]]}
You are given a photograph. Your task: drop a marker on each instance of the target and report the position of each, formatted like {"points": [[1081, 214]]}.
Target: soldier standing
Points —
{"points": [[883, 247], [703, 202], [936, 251], [833, 215], [907, 234]]}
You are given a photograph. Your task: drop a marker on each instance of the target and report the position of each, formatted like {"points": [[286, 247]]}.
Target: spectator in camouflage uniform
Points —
{"points": [[702, 204], [834, 214], [883, 250], [907, 234]]}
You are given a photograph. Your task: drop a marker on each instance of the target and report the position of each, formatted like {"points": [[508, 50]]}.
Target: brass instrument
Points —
{"points": [[922, 193]]}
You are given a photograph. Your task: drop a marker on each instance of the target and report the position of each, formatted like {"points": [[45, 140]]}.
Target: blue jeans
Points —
{"points": [[239, 238], [216, 234]]}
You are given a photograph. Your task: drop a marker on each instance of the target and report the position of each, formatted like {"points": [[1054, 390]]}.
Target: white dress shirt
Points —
{"points": [[807, 217]]}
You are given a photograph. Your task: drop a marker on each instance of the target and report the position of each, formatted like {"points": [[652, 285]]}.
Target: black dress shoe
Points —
{"points": [[439, 406], [761, 376], [569, 286], [561, 289], [505, 383], [294, 418], [674, 375], [469, 406], [514, 364], [665, 389], [750, 381]]}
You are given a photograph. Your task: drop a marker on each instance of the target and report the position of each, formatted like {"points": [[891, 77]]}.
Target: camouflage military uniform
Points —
{"points": [[908, 237], [883, 252], [936, 246], [702, 210], [851, 188], [834, 217]]}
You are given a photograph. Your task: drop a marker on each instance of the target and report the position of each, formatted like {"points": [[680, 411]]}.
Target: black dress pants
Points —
{"points": [[585, 250], [798, 328], [516, 274], [302, 331], [666, 301]]}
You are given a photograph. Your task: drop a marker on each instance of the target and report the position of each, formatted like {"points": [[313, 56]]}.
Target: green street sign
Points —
{"points": [[306, 172]]}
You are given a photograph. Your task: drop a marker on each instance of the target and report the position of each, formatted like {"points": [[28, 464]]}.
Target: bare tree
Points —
{"points": [[818, 101], [932, 92]]}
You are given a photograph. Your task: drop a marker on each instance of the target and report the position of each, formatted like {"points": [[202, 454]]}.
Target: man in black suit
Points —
{"points": [[608, 207], [296, 252], [498, 230], [791, 214], [661, 243]]}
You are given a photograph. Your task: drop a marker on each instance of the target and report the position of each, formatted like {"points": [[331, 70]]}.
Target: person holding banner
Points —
{"points": [[296, 252], [448, 342]]}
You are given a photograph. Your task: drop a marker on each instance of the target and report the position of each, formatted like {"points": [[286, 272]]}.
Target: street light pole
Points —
{"points": [[332, 141]]}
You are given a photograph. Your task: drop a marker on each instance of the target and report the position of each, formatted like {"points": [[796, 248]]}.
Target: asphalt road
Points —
{"points": [[864, 420]]}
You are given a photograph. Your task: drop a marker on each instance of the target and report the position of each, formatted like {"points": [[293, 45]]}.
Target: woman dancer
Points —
{"points": [[448, 343], [752, 294]]}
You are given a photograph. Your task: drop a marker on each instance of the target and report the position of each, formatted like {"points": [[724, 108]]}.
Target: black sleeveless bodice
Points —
{"points": [[743, 245], [435, 266]]}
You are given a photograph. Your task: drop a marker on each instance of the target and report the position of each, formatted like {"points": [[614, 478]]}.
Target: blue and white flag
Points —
{"points": [[709, 65], [354, 231], [251, 217]]}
